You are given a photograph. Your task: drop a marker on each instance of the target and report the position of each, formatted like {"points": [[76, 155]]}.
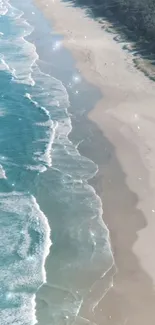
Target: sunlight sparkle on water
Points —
{"points": [[76, 78], [57, 45], [92, 233]]}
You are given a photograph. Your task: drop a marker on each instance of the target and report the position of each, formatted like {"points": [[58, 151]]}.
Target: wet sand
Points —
{"points": [[126, 116]]}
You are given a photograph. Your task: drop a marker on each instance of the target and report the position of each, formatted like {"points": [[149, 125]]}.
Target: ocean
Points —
{"points": [[54, 244]]}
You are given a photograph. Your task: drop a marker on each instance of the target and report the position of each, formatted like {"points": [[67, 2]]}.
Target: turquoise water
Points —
{"points": [[46, 204]]}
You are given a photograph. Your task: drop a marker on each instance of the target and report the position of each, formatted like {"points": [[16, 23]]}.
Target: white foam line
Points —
{"points": [[48, 242], [2, 173], [18, 16], [49, 146], [27, 95], [6, 66], [33, 302], [28, 80], [47, 156], [39, 168], [3, 8], [52, 130]]}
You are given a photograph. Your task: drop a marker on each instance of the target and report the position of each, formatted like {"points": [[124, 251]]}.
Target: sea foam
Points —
{"points": [[28, 241], [23, 257]]}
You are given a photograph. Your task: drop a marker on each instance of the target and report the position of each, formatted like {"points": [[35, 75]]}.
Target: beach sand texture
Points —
{"points": [[126, 116]]}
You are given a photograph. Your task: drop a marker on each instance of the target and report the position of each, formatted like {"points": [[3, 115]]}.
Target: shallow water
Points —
{"points": [[44, 193]]}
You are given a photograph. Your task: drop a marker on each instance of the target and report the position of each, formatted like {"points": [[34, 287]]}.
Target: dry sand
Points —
{"points": [[126, 115]]}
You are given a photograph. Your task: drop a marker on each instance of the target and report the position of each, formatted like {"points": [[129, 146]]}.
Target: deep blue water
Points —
{"points": [[44, 194]]}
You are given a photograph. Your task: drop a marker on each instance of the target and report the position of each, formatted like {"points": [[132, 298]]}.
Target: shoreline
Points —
{"points": [[122, 122]]}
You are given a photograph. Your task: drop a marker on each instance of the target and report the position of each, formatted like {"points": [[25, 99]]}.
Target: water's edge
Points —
{"points": [[51, 171], [111, 177]]}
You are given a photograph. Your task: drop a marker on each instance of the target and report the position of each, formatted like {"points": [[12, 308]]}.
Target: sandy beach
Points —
{"points": [[126, 116]]}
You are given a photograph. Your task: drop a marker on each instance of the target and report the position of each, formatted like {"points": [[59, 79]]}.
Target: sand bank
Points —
{"points": [[126, 115]]}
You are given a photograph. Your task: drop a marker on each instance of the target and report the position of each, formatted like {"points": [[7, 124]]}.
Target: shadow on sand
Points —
{"points": [[143, 51]]}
